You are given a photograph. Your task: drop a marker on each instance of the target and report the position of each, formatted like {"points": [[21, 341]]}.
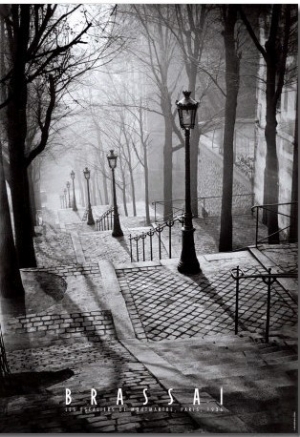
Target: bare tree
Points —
{"points": [[189, 26], [41, 46], [157, 55], [274, 53]]}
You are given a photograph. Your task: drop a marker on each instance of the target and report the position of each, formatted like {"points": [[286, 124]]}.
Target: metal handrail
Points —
{"points": [[105, 221], [265, 207], [153, 231], [202, 199], [268, 278]]}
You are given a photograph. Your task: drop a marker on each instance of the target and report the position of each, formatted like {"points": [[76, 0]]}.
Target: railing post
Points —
{"points": [[170, 241], [151, 233], [237, 285], [137, 248], [159, 230], [130, 240], [143, 238]]}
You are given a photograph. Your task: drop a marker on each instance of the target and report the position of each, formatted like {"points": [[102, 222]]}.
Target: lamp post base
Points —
{"points": [[188, 264], [90, 220], [117, 233]]}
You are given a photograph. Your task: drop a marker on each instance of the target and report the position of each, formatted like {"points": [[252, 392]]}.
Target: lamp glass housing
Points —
{"points": [[87, 173], [72, 174], [112, 160], [187, 109], [68, 184]]}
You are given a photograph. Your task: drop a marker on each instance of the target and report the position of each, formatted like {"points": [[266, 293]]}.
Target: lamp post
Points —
{"points": [[68, 188], [65, 198], [112, 162], [188, 264], [74, 206], [90, 218]]}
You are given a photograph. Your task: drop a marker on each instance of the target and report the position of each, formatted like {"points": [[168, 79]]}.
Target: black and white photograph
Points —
{"points": [[149, 218]]}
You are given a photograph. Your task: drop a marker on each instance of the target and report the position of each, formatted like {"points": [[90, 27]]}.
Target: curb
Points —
{"points": [[115, 301]]}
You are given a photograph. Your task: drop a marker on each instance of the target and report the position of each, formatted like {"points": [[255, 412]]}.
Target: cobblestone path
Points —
{"points": [[40, 407], [101, 245], [158, 301], [54, 248]]}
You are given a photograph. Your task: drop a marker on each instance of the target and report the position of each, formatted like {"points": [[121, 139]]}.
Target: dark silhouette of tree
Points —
{"points": [[41, 44], [10, 279], [293, 236], [274, 53], [229, 15]]}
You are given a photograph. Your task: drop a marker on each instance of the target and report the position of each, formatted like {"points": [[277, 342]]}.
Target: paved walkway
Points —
{"points": [[86, 323]]}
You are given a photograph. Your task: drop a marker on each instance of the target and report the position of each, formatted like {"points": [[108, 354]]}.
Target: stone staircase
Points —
{"points": [[259, 380]]}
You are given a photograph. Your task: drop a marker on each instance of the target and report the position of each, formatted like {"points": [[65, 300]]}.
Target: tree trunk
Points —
{"points": [[124, 201], [195, 137], [293, 236], [81, 190], [104, 181], [146, 180], [10, 279], [20, 191], [16, 133], [132, 192], [271, 170], [168, 166], [232, 87], [194, 150]]}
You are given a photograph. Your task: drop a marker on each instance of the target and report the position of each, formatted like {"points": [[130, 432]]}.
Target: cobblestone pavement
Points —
{"points": [[158, 300], [106, 369], [64, 336], [54, 248]]}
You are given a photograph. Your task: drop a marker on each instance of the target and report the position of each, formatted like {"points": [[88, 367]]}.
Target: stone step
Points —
{"points": [[218, 339], [227, 372], [279, 353]]}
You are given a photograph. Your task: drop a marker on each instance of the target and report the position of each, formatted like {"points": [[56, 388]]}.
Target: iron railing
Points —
{"points": [[105, 222], [210, 205], [268, 278], [175, 210], [145, 237], [268, 208]]}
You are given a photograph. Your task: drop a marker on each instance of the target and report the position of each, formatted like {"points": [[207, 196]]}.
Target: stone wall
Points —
{"points": [[285, 166], [211, 179]]}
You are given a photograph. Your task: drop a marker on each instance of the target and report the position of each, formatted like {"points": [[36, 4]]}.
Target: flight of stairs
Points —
{"points": [[259, 379]]}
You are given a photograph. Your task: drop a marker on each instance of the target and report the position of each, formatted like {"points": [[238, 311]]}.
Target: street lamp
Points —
{"points": [[112, 162], [74, 206], [188, 264], [87, 175], [68, 188], [65, 198]]}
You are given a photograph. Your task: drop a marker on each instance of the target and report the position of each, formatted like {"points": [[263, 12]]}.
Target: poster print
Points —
{"points": [[148, 218]]}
